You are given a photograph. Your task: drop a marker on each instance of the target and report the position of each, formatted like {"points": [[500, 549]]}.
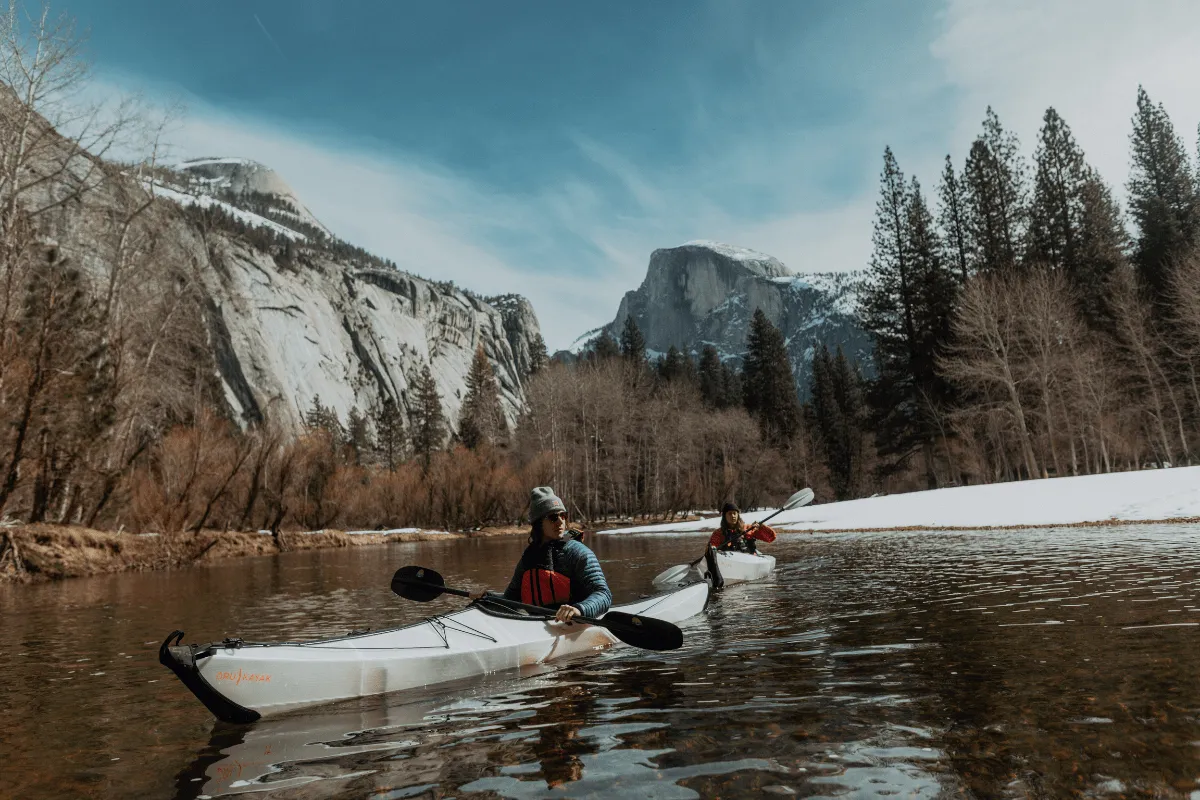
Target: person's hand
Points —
{"points": [[566, 613], [482, 593]]}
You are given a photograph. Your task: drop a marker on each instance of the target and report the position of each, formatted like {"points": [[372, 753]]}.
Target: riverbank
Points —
{"points": [[31, 553], [1117, 498]]}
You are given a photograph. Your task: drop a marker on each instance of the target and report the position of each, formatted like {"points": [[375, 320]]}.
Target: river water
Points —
{"points": [[1041, 663]]}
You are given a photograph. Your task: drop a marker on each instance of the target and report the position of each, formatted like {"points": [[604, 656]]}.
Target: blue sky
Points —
{"points": [[549, 147]]}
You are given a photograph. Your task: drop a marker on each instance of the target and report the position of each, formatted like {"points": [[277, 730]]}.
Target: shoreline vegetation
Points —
{"points": [[43, 552]]}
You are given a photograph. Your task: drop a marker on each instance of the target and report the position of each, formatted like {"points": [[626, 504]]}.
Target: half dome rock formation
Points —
{"points": [[704, 293]]}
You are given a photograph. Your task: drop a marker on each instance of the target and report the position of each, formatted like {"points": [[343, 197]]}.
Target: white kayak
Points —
{"points": [[243, 681], [739, 567]]}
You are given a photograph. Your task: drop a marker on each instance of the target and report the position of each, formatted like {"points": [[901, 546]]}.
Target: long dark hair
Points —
{"points": [[535, 532]]}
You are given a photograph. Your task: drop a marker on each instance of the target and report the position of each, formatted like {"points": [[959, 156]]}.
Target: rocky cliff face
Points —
{"points": [[293, 314], [705, 293], [352, 337]]}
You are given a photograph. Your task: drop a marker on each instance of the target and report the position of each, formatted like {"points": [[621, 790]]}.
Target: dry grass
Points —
{"points": [[41, 552]]}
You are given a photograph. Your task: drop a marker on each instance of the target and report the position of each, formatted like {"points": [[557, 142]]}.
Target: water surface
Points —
{"points": [[1040, 663]]}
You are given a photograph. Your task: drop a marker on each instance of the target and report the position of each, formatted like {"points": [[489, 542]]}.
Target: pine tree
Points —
{"points": [[994, 180], [768, 387], [358, 435], [538, 357], [427, 421], [319, 417], [389, 433], [848, 389], [1054, 215], [952, 218], [1074, 224], [1162, 196], [837, 414], [732, 380], [827, 419], [674, 366], [481, 418], [906, 304], [937, 287], [603, 347], [712, 377], [633, 344], [1104, 245]]}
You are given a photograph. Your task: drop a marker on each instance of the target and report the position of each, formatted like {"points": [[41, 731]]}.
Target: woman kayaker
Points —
{"points": [[556, 570], [735, 535]]}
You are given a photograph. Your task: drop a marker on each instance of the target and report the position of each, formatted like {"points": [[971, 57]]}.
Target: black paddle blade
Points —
{"points": [[645, 632], [418, 583]]}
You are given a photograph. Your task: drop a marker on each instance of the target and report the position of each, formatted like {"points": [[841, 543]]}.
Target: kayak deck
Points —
{"points": [[242, 681], [739, 567]]}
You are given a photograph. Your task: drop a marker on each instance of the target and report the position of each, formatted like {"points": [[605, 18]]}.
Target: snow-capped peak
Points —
{"points": [[743, 254]]}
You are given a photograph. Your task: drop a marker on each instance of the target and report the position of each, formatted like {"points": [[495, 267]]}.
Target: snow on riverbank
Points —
{"points": [[1148, 495]]}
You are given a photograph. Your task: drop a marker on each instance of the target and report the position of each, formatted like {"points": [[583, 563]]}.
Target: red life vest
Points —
{"points": [[544, 587], [733, 540]]}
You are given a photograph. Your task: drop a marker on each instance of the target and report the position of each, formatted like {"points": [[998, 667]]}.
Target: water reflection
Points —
{"points": [[990, 664]]}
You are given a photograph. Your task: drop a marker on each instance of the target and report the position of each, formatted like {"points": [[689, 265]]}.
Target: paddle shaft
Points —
{"points": [[540, 609], [501, 598]]}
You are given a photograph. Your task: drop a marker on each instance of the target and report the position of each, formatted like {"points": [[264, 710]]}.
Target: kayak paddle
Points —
{"points": [[422, 585], [676, 573]]}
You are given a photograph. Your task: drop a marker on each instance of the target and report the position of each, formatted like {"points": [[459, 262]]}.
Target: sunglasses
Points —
{"points": [[556, 515]]}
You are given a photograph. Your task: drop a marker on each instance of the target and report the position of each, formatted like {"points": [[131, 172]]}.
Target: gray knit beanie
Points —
{"points": [[543, 501]]}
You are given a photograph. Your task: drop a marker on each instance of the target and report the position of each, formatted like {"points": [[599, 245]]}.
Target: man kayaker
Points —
{"points": [[556, 570], [735, 535]]}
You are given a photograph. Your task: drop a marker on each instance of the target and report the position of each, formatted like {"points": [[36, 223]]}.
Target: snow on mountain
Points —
{"points": [[241, 176], [705, 293], [206, 201], [767, 264]]}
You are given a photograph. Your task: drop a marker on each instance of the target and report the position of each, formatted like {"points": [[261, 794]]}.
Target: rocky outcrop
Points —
{"points": [[704, 293], [351, 336]]}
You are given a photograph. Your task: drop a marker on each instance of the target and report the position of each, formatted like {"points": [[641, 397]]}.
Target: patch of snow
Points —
{"points": [[203, 162], [734, 252], [1146, 495], [204, 201], [840, 287], [398, 530]]}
